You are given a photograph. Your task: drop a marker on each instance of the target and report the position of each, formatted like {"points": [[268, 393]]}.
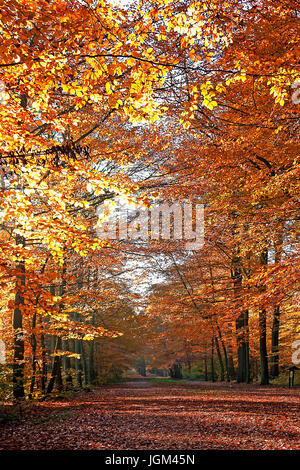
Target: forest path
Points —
{"points": [[146, 414]]}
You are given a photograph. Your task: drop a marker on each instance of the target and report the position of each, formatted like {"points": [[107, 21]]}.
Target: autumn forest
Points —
{"points": [[184, 116]]}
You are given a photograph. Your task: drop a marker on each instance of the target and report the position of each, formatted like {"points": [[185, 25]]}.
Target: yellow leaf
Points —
{"points": [[108, 89]]}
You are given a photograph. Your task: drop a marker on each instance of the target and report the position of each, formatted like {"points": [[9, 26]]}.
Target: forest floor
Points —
{"points": [[154, 415]]}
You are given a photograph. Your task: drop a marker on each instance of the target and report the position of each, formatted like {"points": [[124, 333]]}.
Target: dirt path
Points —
{"points": [[140, 414]]}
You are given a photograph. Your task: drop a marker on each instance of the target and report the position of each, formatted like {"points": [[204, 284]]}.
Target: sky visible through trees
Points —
{"points": [[149, 204]]}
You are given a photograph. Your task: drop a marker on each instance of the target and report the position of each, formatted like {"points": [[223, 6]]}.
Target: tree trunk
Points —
{"points": [[91, 372], [205, 366], [33, 341], [18, 360], [67, 365], [56, 369], [215, 338], [241, 323], [212, 361], [17, 320], [278, 244], [175, 371], [34, 362], [141, 368], [231, 370], [275, 343], [78, 365], [264, 368], [83, 363], [56, 365], [44, 365], [243, 371], [222, 375], [225, 354]]}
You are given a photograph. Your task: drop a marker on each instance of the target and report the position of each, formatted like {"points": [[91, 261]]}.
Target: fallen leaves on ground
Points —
{"points": [[140, 414]]}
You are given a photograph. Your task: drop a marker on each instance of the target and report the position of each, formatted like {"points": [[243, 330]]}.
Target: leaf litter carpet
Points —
{"points": [[141, 414]]}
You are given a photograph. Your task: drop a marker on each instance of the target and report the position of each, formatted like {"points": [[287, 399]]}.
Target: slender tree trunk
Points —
{"points": [[225, 354], [18, 361], [91, 373], [33, 341], [264, 368], [67, 365], [222, 375], [205, 365], [56, 369], [242, 334], [59, 380], [218, 329], [83, 362], [243, 372], [141, 368], [275, 343], [34, 362], [44, 364], [212, 364], [231, 370], [17, 320], [56, 365], [274, 372], [78, 365]]}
